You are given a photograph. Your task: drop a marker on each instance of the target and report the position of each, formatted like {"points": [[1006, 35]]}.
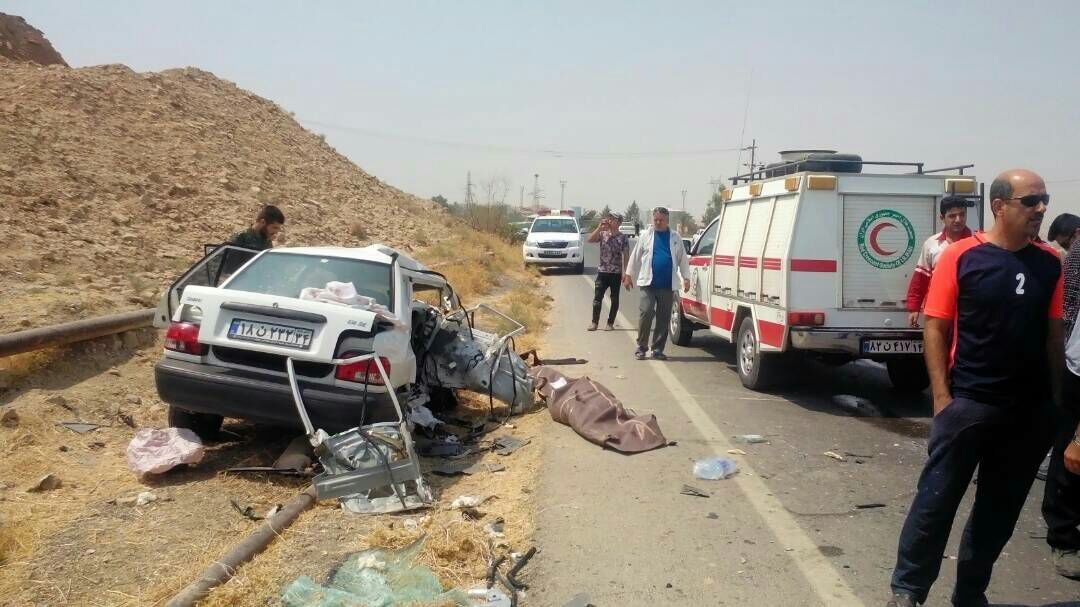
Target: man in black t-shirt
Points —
{"points": [[993, 339], [260, 236]]}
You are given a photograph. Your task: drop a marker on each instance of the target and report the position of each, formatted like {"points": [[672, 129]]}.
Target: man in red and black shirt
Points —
{"points": [[993, 338], [954, 219]]}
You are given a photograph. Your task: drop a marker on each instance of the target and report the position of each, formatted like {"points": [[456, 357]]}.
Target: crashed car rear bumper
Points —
{"points": [[265, 398]]}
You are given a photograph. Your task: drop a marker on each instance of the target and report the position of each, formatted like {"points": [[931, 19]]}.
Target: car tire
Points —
{"points": [[908, 374], [757, 371], [580, 268], [205, 425], [680, 328]]}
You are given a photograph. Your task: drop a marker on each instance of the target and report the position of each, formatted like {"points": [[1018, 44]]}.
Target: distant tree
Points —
{"points": [[604, 211], [633, 212], [588, 215], [683, 222], [441, 200], [712, 210]]}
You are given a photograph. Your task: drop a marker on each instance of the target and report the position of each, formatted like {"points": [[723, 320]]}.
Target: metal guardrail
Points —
{"points": [[72, 332]]}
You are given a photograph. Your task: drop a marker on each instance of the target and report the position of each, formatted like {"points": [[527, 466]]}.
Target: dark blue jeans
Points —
{"points": [[1061, 502], [1007, 444]]}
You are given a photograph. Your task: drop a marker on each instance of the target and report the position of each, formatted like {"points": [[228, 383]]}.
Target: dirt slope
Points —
{"points": [[112, 180], [21, 42]]}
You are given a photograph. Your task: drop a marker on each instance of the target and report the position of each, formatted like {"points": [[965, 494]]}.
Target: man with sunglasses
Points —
{"points": [[657, 256], [993, 339]]}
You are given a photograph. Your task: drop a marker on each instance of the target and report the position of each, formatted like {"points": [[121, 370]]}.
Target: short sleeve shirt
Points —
{"points": [[1000, 302], [612, 246]]}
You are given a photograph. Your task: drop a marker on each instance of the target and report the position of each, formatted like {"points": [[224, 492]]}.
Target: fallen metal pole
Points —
{"points": [[225, 568], [71, 332]]}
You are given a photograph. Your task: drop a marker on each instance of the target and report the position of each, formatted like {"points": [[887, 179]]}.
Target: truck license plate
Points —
{"points": [[551, 254], [269, 333], [892, 346]]}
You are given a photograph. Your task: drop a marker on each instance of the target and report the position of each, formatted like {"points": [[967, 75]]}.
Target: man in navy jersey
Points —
{"points": [[1000, 294]]}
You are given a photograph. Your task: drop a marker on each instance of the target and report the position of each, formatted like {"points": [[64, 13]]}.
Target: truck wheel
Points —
{"points": [[908, 374], [755, 369], [680, 328], [205, 425], [580, 268]]}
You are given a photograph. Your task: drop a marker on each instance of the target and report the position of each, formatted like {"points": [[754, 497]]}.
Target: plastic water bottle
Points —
{"points": [[715, 468]]}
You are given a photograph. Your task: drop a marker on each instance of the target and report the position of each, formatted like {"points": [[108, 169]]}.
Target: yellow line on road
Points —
{"points": [[825, 580]]}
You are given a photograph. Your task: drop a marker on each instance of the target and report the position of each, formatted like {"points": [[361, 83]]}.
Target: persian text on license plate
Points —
{"points": [[892, 346], [269, 333]]}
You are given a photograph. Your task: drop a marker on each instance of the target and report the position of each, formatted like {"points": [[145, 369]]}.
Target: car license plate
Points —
{"points": [[551, 254], [269, 333], [892, 346]]}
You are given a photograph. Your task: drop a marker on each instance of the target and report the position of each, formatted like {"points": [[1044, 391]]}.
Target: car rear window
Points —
{"points": [[286, 274], [562, 226]]}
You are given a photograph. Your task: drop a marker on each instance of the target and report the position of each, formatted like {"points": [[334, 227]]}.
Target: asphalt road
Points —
{"points": [[787, 529]]}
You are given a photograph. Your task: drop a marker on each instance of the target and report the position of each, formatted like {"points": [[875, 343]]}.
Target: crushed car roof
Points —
{"points": [[377, 252]]}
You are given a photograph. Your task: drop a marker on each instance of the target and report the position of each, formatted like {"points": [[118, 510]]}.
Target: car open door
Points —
{"points": [[218, 263]]}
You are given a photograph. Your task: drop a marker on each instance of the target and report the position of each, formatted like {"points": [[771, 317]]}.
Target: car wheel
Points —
{"points": [[205, 425], [756, 370], [680, 328], [908, 374], [580, 268]]}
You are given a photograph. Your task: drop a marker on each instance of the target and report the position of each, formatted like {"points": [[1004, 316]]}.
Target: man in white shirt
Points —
{"points": [[656, 257]]}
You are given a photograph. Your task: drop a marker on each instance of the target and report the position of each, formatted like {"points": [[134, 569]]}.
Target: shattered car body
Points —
{"points": [[234, 324]]}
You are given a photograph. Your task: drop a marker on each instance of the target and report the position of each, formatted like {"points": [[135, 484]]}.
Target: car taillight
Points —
{"points": [[184, 337], [806, 319], [363, 372]]}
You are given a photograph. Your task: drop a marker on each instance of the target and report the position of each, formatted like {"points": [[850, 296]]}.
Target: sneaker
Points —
{"points": [[639, 354], [609, 327], [1067, 563], [592, 327], [658, 355], [900, 599]]}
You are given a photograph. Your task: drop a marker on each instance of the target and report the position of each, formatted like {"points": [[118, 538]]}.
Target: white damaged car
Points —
{"points": [[234, 319]]}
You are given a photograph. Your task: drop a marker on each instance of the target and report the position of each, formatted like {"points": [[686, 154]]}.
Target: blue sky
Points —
{"points": [[620, 99]]}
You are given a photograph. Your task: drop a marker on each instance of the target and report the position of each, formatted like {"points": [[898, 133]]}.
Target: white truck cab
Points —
{"points": [[814, 255], [554, 240]]}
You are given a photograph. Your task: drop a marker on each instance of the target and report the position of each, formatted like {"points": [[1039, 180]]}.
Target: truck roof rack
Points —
{"points": [[761, 173]]}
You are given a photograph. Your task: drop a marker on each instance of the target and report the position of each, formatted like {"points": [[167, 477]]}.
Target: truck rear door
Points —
{"points": [[882, 238]]}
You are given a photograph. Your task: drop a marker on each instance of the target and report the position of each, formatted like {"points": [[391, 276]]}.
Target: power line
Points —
{"points": [[486, 147]]}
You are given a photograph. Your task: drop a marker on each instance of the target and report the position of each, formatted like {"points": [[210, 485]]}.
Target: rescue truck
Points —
{"points": [[813, 255]]}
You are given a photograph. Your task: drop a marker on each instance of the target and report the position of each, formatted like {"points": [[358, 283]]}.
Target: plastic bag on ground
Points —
{"points": [[154, 451], [374, 578]]}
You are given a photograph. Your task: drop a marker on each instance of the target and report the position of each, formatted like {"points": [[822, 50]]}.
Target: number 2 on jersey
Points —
{"points": [[1020, 278]]}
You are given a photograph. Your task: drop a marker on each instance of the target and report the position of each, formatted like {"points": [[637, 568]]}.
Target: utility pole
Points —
{"points": [[684, 201], [468, 188], [536, 191], [521, 198], [716, 183], [753, 150], [562, 193]]}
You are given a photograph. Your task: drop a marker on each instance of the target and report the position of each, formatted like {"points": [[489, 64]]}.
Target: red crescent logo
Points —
{"points": [[874, 236]]}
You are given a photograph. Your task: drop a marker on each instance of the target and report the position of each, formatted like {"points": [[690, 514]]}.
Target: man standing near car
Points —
{"points": [[1061, 499], [260, 236], [994, 348], [656, 257], [953, 211], [614, 254]]}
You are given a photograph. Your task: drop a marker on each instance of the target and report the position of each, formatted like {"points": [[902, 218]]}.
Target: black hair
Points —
{"points": [[1001, 188], [1065, 224], [271, 214], [662, 210], [953, 202]]}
